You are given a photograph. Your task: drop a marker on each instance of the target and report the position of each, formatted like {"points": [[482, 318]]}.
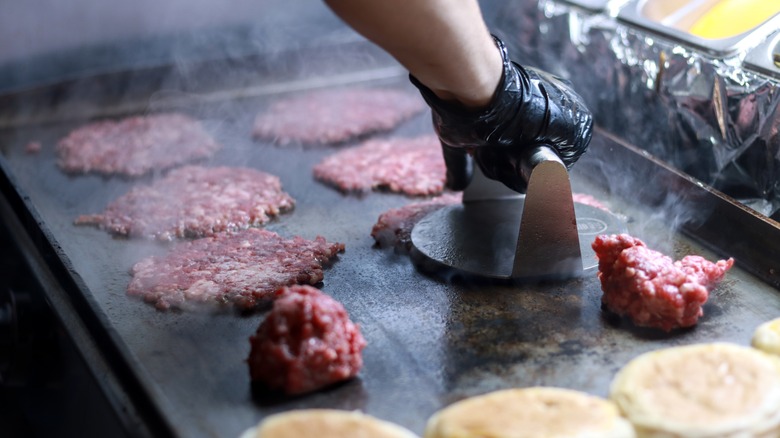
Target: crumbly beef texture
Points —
{"points": [[335, 116], [651, 288], [242, 268], [136, 145], [413, 166], [305, 343], [195, 201], [394, 227]]}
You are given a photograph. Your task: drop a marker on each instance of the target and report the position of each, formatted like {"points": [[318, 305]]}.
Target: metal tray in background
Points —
{"points": [[430, 343], [632, 13], [765, 58], [589, 5]]}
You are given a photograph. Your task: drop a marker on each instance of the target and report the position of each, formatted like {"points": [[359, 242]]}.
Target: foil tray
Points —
{"points": [[763, 59], [704, 107], [590, 5], [632, 13]]}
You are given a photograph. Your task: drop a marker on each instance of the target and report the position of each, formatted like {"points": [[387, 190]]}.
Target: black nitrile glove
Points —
{"points": [[530, 108]]}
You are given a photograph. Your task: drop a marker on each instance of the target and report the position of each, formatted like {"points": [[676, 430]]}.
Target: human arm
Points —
{"points": [[483, 104], [429, 38]]}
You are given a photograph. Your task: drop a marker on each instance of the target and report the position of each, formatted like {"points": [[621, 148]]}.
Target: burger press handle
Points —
{"points": [[500, 234]]}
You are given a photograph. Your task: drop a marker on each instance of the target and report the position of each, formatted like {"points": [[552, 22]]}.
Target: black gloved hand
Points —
{"points": [[530, 108]]}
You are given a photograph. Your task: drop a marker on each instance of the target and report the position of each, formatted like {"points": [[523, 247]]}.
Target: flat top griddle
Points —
{"points": [[430, 343]]}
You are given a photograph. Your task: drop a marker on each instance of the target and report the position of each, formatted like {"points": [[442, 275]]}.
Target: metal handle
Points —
{"points": [[548, 243], [535, 156], [482, 188]]}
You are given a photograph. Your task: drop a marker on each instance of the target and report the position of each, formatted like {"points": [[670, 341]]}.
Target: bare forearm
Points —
{"points": [[443, 43]]}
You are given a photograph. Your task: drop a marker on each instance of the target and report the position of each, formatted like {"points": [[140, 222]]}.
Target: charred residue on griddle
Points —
{"points": [[494, 329], [571, 347], [712, 310]]}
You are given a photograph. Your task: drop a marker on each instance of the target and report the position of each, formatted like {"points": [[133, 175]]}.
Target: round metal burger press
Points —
{"points": [[496, 233]]}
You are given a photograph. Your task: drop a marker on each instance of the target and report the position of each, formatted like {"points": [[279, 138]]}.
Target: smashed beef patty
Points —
{"points": [[394, 227], [135, 145], [241, 268], [651, 288], [195, 201], [305, 343], [413, 166], [335, 116]]}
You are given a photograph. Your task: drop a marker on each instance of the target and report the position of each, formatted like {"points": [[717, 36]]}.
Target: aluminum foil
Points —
{"points": [[710, 117]]}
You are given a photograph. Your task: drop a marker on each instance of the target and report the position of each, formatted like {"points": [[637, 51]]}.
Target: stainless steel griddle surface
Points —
{"points": [[429, 343]]}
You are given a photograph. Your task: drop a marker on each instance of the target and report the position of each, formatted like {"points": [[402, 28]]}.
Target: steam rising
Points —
{"points": [[48, 40], [83, 23], [657, 211]]}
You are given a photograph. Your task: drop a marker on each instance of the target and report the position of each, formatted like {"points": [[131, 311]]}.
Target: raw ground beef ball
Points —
{"points": [[305, 343], [136, 145], [195, 201], [413, 166], [651, 288], [335, 116], [394, 227], [242, 268]]}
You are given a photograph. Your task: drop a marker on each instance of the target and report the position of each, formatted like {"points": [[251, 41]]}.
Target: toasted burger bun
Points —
{"points": [[703, 390], [530, 412], [326, 423], [767, 337]]}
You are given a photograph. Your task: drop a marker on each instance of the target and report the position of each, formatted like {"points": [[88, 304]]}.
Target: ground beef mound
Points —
{"points": [[335, 116], [195, 201], [651, 288], [242, 268], [394, 227], [136, 145], [413, 166], [305, 343]]}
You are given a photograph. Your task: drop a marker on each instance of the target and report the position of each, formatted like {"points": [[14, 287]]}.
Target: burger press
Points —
{"points": [[497, 233]]}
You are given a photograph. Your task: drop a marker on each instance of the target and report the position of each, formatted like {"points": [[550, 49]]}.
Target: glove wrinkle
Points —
{"points": [[530, 107]]}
